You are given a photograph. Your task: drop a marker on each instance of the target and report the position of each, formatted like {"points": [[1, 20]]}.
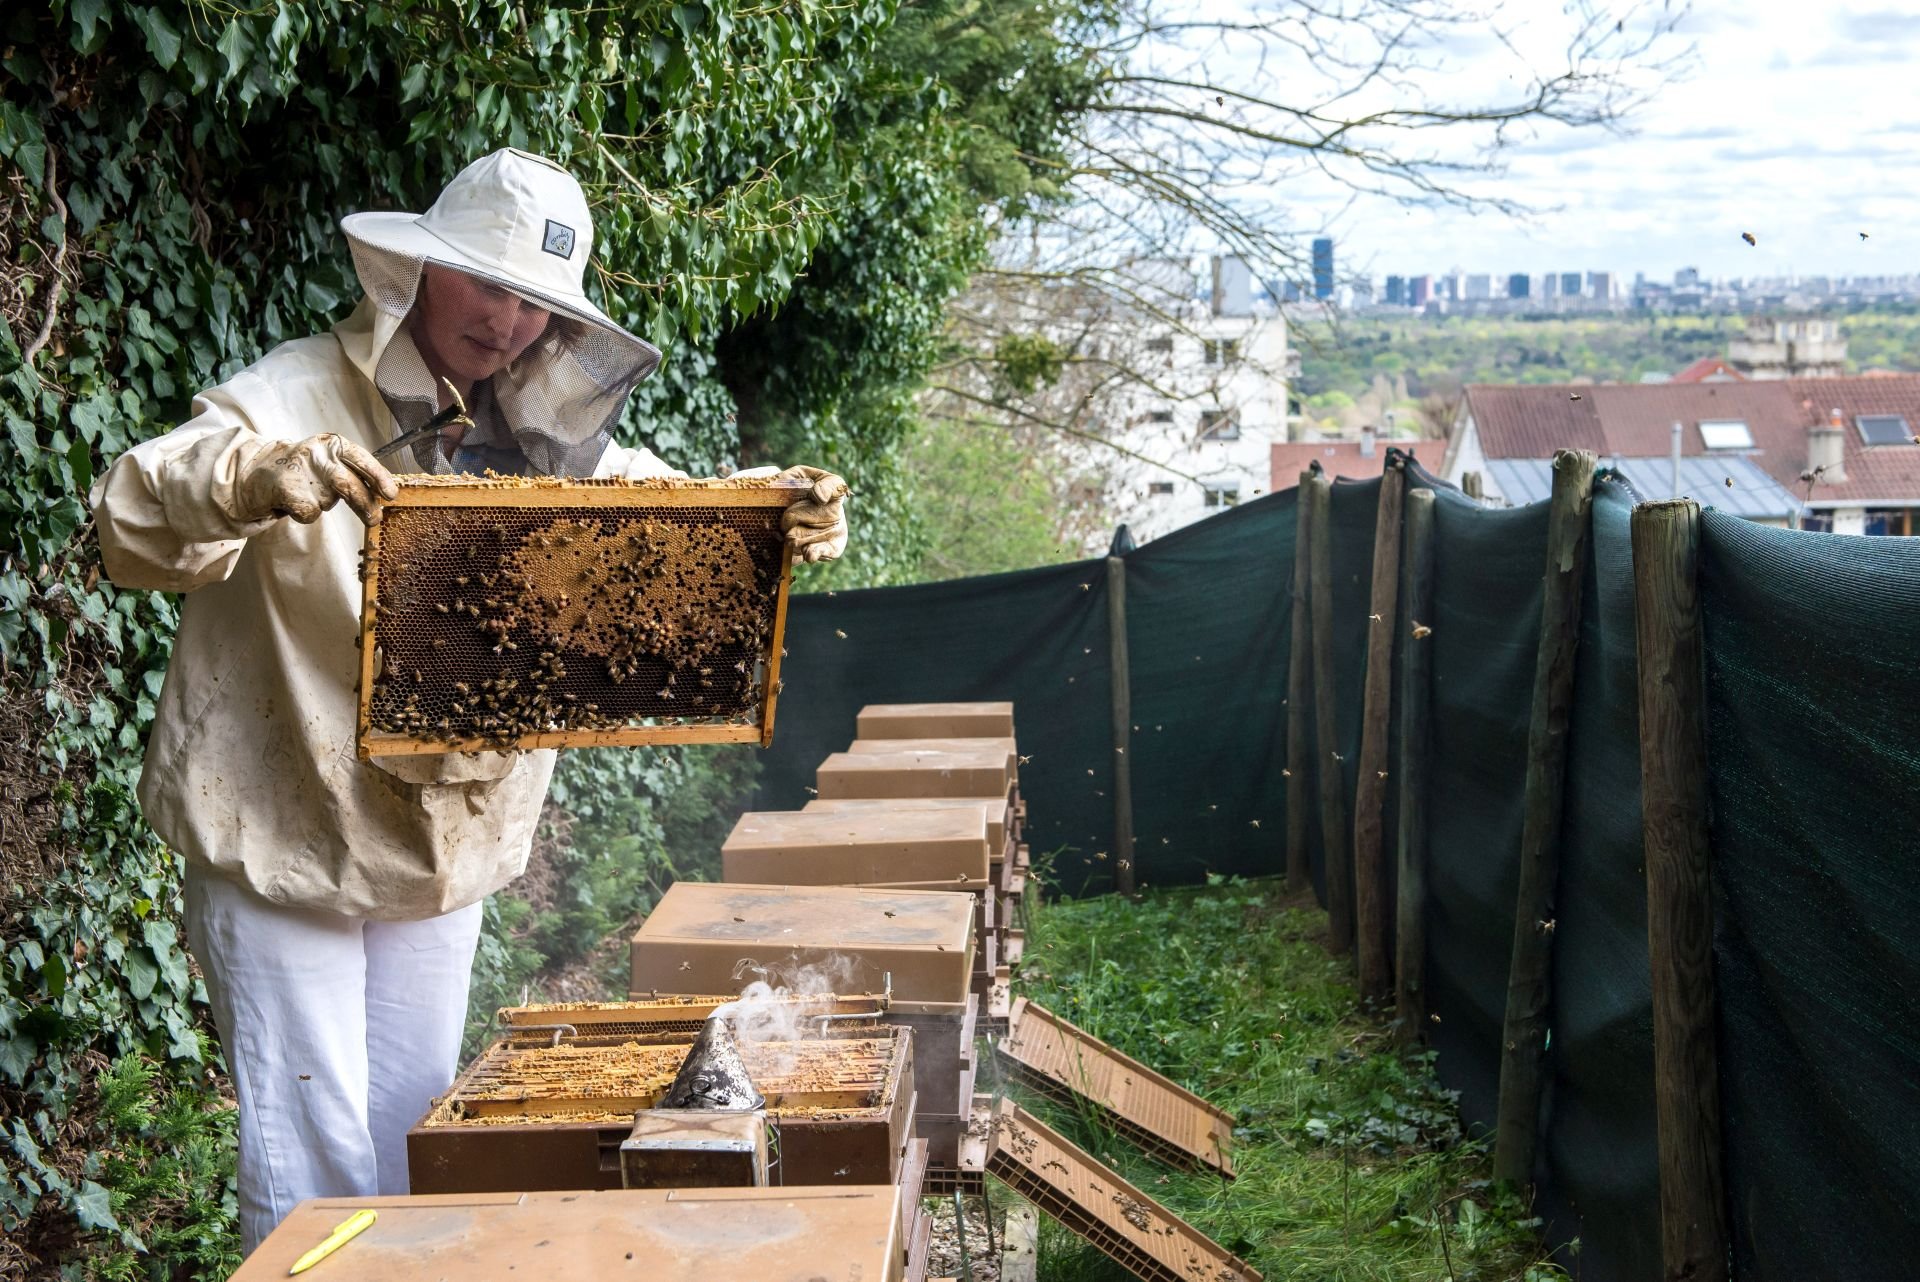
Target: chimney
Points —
{"points": [[1366, 441], [1826, 450]]}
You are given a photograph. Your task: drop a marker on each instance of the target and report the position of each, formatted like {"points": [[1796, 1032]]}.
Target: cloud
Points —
{"points": [[1882, 27], [1854, 55]]}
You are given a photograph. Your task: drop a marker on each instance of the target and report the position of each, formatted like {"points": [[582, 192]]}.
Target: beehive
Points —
{"points": [[915, 774], [934, 720], [983, 744], [705, 937], [917, 849], [531, 1115], [517, 613], [994, 809], [707, 1235]]}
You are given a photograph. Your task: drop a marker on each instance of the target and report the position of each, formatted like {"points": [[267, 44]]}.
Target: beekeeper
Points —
{"points": [[334, 904]]}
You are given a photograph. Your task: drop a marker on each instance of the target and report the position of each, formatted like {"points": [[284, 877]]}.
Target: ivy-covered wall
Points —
{"points": [[785, 195]]}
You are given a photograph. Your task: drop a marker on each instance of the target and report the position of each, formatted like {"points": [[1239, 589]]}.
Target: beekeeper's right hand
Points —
{"points": [[302, 479]]}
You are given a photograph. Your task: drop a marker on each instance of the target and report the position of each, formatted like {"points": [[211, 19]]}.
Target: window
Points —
{"points": [[1725, 434], [1220, 351], [1884, 429], [1887, 521], [1159, 487], [1164, 343], [1222, 493], [1160, 416], [1219, 425]]}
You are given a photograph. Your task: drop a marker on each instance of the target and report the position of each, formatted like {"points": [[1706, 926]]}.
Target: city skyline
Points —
{"points": [[1789, 127]]}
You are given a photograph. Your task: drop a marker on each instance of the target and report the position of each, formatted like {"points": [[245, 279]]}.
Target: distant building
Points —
{"points": [[1519, 285], [1198, 443], [1807, 347], [1570, 284], [1396, 291], [1477, 288], [1600, 285], [1323, 267], [1708, 369], [1361, 460], [1687, 278], [1841, 449], [1420, 291]]}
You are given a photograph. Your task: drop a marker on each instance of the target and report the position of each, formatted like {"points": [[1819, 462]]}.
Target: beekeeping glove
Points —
{"points": [[817, 524], [302, 479]]}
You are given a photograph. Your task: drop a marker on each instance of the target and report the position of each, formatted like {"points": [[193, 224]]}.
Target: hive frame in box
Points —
{"points": [[605, 497]]}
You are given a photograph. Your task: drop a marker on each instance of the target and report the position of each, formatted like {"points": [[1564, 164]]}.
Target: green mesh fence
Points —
{"points": [[1816, 833], [1814, 751]]}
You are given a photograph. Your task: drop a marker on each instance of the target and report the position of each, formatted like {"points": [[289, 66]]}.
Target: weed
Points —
{"points": [[1351, 1161]]}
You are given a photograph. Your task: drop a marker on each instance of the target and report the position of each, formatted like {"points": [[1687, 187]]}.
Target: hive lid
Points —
{"points": [[868, 747], [709, 937], [945, 849], [1066, 1062], [698, 1235], [915, 774], [993, 808], [933, 720], [1098, 1206]]}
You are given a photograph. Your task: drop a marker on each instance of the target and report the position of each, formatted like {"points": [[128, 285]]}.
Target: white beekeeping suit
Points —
{"points": [[333, 903]]}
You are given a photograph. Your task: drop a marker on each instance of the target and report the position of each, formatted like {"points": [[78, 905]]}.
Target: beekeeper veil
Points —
{"points": [[520, 222]]}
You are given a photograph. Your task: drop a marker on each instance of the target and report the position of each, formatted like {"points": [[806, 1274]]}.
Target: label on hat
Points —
{"points": [[558, 240]]}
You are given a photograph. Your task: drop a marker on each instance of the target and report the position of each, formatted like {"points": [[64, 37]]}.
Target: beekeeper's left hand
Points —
{"points": [[816, 526]]}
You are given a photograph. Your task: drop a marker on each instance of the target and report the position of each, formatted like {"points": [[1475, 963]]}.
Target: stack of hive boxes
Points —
{"points": [[899, 878]]}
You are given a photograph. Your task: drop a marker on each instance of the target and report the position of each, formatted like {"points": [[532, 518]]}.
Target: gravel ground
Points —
{"points": [[943, 1258]]}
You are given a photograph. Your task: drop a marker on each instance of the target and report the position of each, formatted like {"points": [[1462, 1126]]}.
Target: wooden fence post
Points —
{"points": [[1299, 695], [1523, 1042], [1120, 680], [1326, 737], [1673, 802], [1416, 693], [1370, 906]]}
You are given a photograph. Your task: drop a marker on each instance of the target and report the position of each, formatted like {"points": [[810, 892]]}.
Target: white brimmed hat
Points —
{"points": [[514, 218]]}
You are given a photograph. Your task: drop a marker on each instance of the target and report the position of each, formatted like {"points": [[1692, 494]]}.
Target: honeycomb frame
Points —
{"points": [[630, 536]]}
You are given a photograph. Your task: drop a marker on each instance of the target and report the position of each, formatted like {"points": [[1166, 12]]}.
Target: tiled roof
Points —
{"points": [[1707, 367], [1342, 459], [1634, 420]]}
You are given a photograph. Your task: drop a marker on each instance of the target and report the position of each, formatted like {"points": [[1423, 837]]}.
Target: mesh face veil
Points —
{"points": [[520, 222]]}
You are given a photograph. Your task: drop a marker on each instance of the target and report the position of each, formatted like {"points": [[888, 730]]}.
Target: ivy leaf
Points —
{"points": [[163, 38], [84, 14], [16, 1056], [93, 1207], [141, 973]]}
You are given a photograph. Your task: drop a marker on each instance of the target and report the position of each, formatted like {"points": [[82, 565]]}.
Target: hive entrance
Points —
{"points": [[512, 613]]}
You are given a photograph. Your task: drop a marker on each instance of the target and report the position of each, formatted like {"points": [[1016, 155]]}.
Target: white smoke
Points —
{"points": [[783, 1007]]}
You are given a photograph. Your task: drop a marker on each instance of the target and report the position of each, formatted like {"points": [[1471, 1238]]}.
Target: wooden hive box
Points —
{"points": [[540, 613], [914, 774], [527, 1114], [912, 849], [934, 720], [705, 937], [944, 745], [994, 809], [708, 1235]]}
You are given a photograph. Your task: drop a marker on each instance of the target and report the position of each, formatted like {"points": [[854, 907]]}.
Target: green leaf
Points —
{"points": [[84, 14], [163, 38], [17, 1052], [93, 1207]]}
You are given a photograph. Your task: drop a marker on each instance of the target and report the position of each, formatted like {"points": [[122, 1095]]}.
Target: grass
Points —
{"points": [[1351, 1159]]}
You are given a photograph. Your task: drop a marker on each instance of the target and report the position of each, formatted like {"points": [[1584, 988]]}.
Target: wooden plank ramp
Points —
{"points": [[1068, 1064], [1098, 1206]]}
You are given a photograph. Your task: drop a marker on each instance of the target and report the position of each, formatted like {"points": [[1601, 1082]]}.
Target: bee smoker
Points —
{"points": [[713, 1076], [710, 1128]]}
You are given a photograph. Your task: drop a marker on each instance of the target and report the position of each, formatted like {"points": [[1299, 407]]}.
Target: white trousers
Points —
{"points": [[338, 1032]]}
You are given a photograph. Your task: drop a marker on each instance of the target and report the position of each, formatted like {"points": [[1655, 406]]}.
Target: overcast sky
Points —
{"points": [[1799, 121]]}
